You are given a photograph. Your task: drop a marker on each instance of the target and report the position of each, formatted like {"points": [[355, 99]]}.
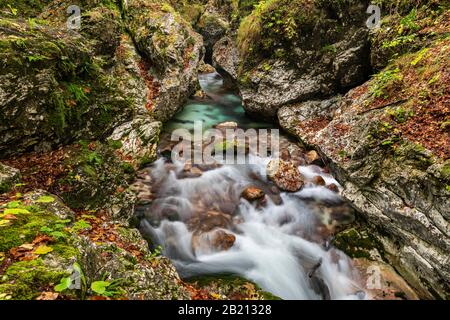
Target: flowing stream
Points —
{"points": [[205, 227]]}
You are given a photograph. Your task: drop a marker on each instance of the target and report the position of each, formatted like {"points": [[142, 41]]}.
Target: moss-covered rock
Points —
{"points": [[292, 51], [53, 89], [22, 8], [358, 244], [98, 178], [407, 28], [173, 52], [44, 244]]}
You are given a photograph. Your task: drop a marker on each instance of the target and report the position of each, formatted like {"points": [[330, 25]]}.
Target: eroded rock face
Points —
{"points": [[399, 191], [226, 59], [285, 175], [174, 52], [320, 59]]}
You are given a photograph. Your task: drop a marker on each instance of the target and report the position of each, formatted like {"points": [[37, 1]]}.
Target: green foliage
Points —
{"points": [[409, 22], [24, 8], [400, 114], [273, 25], [384, 135], [115, 144], [399, 41], [67, 282], [328, 49], [357, 243], [94, 158], [77, 92], [81, 225], [107, 288], [45, 199], [156, 252], [422, 53], [343, 154], [56, 229], [24, 280], [383, 81], [128, 168], [35, 58]]}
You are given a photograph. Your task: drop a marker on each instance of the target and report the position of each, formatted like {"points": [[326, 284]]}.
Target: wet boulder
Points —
{"points": [[215, 240], [318, 181], [285, 175], [252, 193], [312, 157]]}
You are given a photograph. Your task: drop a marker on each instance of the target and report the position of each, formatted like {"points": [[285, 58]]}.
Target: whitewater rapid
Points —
{"points": [[276, 245]]}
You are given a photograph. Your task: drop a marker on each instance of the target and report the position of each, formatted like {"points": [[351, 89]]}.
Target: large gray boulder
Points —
{"points": [[8, 177], [321, 58], [173, 53]]}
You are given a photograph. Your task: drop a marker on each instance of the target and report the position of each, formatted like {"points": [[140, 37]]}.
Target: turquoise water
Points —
{"points": [[219, 106]]}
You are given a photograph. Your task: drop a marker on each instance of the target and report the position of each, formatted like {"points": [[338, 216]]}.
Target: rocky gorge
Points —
{"points": [[362, 182]]}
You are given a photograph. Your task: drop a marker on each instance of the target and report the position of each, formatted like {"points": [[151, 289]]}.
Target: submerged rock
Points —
{"points": [[319, 181], [285, 175], [252, 194], [212, 241]]}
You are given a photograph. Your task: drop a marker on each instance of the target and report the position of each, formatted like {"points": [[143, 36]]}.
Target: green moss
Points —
{"points": [[23, 8], [96, 173], [24, 229], [413, 154], [24, 280], [445, 171], [384, 81], [357, 244]]}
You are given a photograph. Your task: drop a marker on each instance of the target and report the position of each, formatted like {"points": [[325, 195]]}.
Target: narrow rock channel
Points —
{"points": [[232, 219]]}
